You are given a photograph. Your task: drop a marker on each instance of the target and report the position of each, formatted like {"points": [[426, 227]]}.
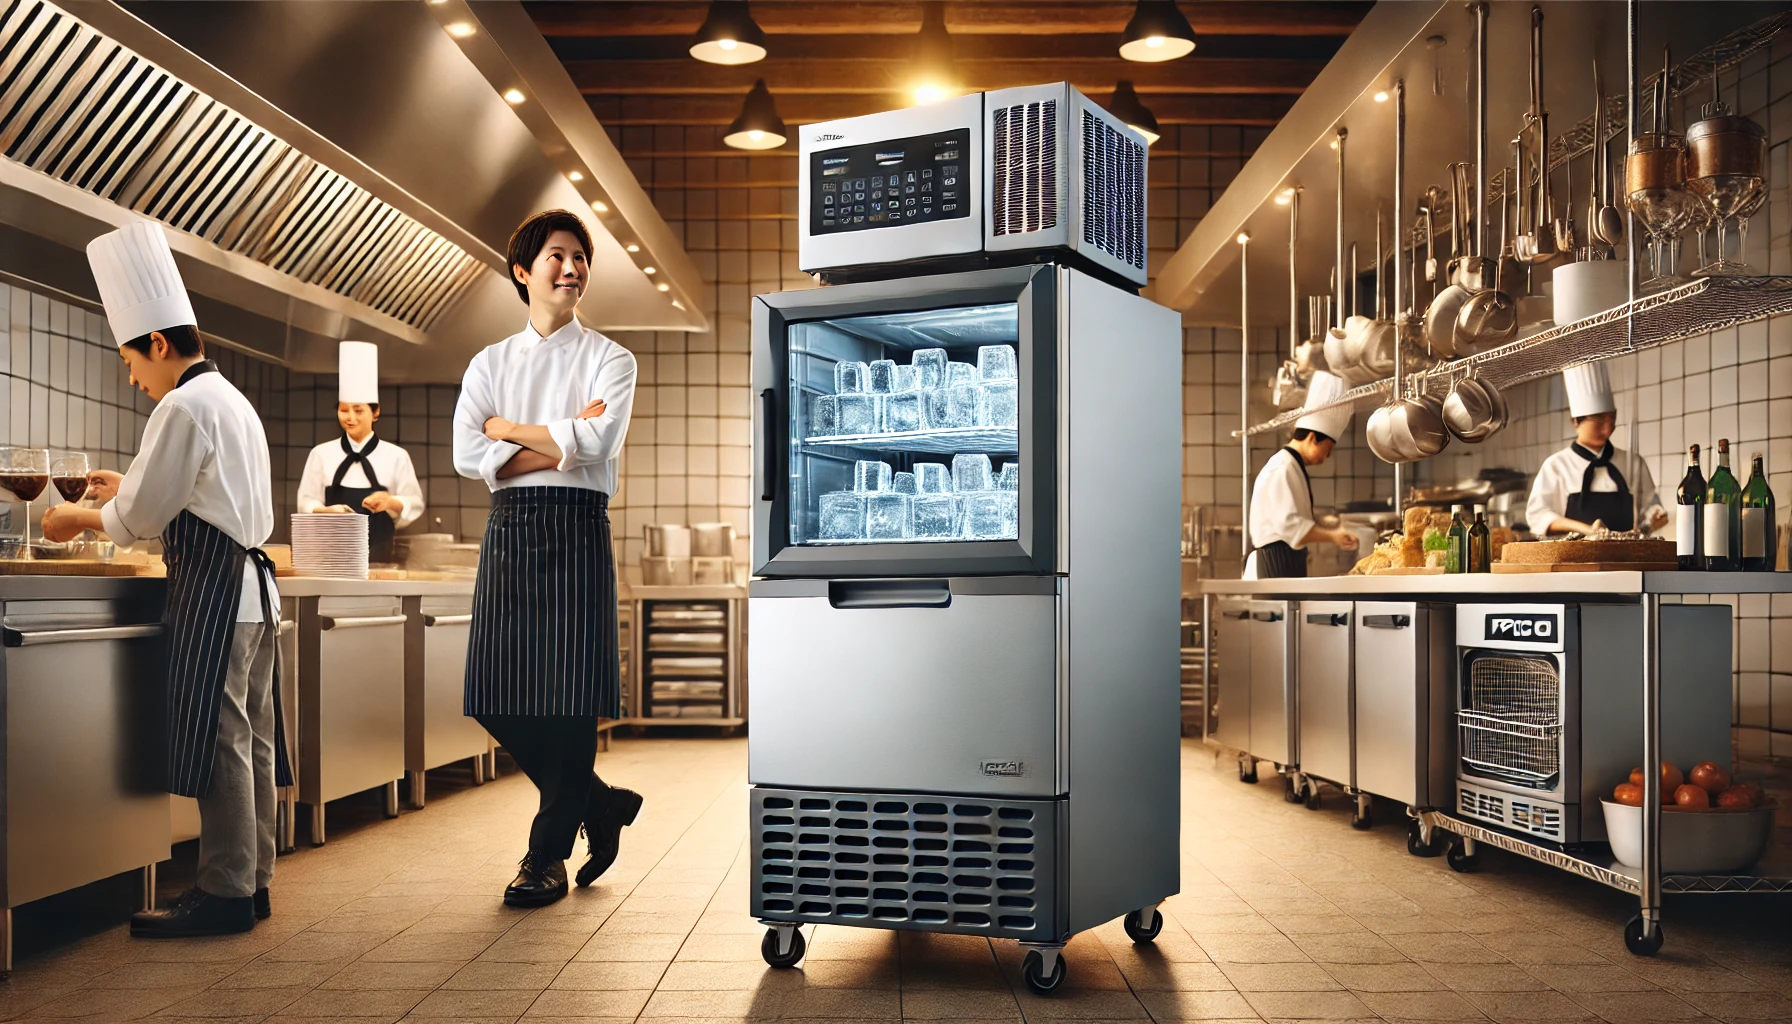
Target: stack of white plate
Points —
{"points": [[332, 545]]}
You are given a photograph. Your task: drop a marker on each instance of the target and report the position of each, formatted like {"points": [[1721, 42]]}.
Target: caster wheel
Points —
{"points": [[1416, 845], [1135, 929], [768, 948], [1362, 820], [1291, 789], [1460, 859], [1032, 969], [1639, 941], [1312, 796], [1247, 771]]}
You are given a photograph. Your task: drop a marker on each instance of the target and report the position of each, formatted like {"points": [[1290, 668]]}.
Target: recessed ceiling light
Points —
{"points": [[650, 270], [575, 176], [461, 29], [677, 304], [1243, 237], [600, 206], [632, 247], [513, 96], [664, 287], [1283, 199], [1382, 96]]}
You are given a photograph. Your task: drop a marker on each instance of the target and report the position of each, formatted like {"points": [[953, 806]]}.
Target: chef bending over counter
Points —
{"points": [[1587, 481], [1281, 519]]}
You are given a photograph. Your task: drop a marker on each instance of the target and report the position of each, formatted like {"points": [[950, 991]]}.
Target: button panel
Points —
{"points": [[888, 184]]}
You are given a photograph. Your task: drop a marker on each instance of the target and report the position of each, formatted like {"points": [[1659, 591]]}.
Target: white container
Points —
{"points": [[1713, 842], [1589, 288]]}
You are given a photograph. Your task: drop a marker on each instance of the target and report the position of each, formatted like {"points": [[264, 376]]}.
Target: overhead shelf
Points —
{"points": [[1698, 307]]}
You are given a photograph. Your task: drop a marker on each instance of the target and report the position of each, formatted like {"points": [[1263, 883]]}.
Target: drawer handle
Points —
{"points": [[447, 620], [1328, 619], [357, 622], [287, 626], [1387, 621], [1267, 616], [844, 594], [1235, 615], [31, 638]]}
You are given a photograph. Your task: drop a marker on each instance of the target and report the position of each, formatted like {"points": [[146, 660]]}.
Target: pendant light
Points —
{"points": [[935, 77], [1157, 32], [729, 35], [1125, 105], [758, 126]]}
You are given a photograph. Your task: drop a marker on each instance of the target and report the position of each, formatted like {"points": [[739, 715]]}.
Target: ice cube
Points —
{"points": [[824, 415], [990, 515], [960, 373], [933, 478], [950, 407], [887, 517], [933, 516], [907, 379], [881, 378], [1010, 514], [849, 378], [858, 414], [995, 362], [870, 475], [930, 365], [903, 483], [969, 473], [996, 404], [1009, 480], [842, 516], [902, 412]]}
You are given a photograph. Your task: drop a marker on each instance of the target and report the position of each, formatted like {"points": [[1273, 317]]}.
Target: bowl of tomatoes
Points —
{"points": [[1710, 823]]}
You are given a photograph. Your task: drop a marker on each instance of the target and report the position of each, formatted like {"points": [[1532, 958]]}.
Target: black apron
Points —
{"points": [[1279, 559], [1611, 507], [543, 638], [380, 528], [205, 587]]}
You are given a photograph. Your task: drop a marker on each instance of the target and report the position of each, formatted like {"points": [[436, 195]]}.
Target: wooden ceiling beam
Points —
{"points": [[964, 48], [616, 111], [806, 17], [823, 76]]}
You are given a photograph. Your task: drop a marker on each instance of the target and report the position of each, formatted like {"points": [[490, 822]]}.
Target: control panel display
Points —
{"points": [[890, 183]]}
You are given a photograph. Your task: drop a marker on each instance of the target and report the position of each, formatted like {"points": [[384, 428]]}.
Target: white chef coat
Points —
{"points": [[1561, 475], [1281, 505], [527, 378], [204, 452], [391, 464]]}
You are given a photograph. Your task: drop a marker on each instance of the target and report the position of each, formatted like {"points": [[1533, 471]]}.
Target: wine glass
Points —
{"points": [[1655, 190], [1726, 168], [25, 472], [68, 474]]}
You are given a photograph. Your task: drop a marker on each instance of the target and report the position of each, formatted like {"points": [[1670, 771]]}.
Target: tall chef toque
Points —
{"points": [[1333, 422], [1589, 390], [138, 281], [358, 372]]}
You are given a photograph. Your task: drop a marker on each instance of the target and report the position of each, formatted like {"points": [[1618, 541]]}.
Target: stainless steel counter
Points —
{"points": [[1481, 585], [313, 586]]}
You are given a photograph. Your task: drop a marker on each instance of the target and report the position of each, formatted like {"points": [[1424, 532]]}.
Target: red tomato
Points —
{"points": [[1710, 777], [1736, 798], [1692, 798], [1629, 793]]}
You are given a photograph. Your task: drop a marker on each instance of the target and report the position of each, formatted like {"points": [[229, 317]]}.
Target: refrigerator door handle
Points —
{"points": [[1328, 619], [1235, 615], [768, 408], [847, 594], [1267, 616], [1387, 621]]}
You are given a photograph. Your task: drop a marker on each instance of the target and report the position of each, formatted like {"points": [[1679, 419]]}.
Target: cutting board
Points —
{"points": [[70, 567], [1510, 567], [1588, 552]]}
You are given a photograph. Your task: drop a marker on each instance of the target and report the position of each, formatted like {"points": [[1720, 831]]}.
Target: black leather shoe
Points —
{"points": [[197, 912], [539, 880], [263, 909], [610, 809]]}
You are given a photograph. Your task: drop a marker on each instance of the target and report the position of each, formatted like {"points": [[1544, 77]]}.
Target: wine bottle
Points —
{"points": [[1723, 515], [1759, 535], [1480, 543], [1689, 529], [1457, 561]]}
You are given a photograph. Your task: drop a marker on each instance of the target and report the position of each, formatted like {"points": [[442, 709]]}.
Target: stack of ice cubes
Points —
{"points": [[931, 393], [967, 501]]}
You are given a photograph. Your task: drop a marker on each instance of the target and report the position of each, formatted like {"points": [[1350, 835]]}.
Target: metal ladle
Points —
{"points": [[1606, 222], [1539, 246]]}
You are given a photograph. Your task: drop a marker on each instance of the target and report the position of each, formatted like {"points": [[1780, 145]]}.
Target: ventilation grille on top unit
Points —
{"points": [[1026, 168], [1113, 192], [921, 862], [81, 108]]}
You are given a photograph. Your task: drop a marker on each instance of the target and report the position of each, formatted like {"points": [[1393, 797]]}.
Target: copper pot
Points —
{"points": [[1727, 145], [1657, 160]]}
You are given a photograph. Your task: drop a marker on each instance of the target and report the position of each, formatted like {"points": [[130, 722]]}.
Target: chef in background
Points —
{"points": [[200, 482], [1587, 481], [360, 472], [1282, 523]]}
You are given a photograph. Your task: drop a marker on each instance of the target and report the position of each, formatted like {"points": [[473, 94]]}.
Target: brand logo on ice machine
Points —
{"points": [[1005, 769], [1541, 628]]}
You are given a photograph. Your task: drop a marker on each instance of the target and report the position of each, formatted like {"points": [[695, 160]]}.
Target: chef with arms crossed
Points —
{"points": [[1282, 523], [541, 419], [201, 483], [360, 472], [1586, 481]]}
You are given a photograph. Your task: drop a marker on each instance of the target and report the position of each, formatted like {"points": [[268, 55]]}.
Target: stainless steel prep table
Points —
{"points": [[436, 731], [1643, 934]]}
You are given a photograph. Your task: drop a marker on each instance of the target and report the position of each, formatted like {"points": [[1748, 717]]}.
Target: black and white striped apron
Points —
{"points": [[543, 639]]}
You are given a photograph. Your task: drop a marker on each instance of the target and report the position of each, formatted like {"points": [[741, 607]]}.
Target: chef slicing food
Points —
{"points": [[360, 471], [201, 483], [1282, 522], [1592, 480]]}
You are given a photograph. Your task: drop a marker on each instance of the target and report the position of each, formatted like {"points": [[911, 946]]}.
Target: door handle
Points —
{"points": [[1387, 621], [1267, 616], [847, 594], [768, 412], [1328, 619], [32, 638], [447, 620], [1235, 615], [357, 622]]}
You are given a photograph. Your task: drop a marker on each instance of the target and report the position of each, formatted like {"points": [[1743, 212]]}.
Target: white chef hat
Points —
{"points": [[1322, 389], [1589, 390], [138, 281], [358, 372]]}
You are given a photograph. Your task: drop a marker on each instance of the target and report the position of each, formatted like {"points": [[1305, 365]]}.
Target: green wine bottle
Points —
{"points": [[1457, 560], [1480, 543], [1723, 515], [1760, 536]]}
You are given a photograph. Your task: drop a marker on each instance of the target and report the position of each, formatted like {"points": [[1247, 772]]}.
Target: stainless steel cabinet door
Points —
{"points": [[955, 699], [1403, 656], [1271, 637], [1323, 684], [1232, 672]]}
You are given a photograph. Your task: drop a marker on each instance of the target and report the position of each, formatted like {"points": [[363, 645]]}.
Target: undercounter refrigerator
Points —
{"points": [[965, 648]]}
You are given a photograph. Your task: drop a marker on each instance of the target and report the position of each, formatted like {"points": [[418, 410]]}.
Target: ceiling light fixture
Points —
{"points": [[664, 287], [758, 126], [575, 176], [461, 29], [513, 96], [600, 206], [1382, 96], [1157, 32], [650, 270], [935, 77], [632, 247], [1125, 105], [729, 35], [1244, 238]]}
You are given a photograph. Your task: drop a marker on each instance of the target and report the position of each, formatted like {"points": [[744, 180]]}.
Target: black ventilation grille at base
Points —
{"points": [[908, 861]]}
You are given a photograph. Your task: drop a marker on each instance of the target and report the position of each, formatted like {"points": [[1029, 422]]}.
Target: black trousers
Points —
{"points": [[556, 752]]}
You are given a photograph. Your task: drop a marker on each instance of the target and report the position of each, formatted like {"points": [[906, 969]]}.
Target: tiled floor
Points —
{"points": [[1284, 915]]}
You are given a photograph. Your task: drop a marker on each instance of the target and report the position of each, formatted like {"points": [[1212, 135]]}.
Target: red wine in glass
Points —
{"points": [[72, 488], [26, 485]]}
